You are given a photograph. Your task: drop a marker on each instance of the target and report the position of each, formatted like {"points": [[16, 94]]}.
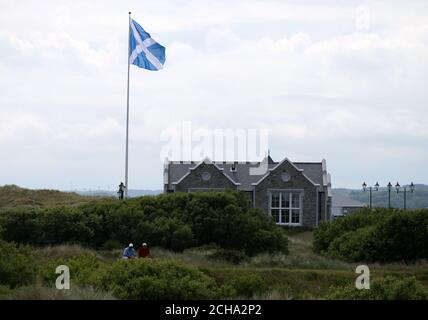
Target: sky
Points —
{"points": [[341, 80]]}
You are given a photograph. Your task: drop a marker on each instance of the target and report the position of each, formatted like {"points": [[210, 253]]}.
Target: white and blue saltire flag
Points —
{"points": [[144, 52]]}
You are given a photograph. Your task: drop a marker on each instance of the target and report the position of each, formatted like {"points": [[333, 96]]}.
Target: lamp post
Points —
{"points": [[376, 188], [412, 187], [389, 194]]}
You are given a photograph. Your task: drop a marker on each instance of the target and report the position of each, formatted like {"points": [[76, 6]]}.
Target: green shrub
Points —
{"points": [[222, 218], [271, 241], [84, 269], [181, 238], [64, 224], [375, 235], [247, 284], [170, 233], [401, 236], [328, 231], [388, 288], [174, 221], [4, 291], [20, 225], [151, 279], [353, 245], [17, 266], [232, 256], [42, 227]]}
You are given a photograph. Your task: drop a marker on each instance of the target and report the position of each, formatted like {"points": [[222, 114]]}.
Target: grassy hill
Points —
{"points": [[14, 196], [416, 200]]}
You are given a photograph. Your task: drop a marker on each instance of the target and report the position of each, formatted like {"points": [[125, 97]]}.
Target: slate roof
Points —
{"points": [[313, 170]]}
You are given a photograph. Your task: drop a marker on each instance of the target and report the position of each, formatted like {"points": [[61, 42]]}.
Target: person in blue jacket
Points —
{"points": [[129, 252]]}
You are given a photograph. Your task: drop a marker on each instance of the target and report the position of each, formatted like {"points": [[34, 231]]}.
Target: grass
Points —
{"points": [[40, 292], [198, 257], [300, 256], [12, 196], [302, 274], [61, 251]]}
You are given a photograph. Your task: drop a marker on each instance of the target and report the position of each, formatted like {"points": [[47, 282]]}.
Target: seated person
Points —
{"points": [[144, 251], [129, 252]]}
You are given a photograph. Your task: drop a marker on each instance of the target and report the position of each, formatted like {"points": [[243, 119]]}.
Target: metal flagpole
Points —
{"points": [[127, 111]]}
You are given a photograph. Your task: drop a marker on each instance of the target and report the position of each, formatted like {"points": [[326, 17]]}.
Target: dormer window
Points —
{"points": [[233, 167]]}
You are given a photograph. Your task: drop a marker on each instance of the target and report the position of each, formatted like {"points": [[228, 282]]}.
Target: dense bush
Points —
{"points": [[150, 279], [375, 235], [166, 232], [402, 236], [246, 284], [84, 269], [223, 218], [45, 226], [4, 291], [16, 265], [174, 221], [329, 231], [353, 245], [388, 288]]}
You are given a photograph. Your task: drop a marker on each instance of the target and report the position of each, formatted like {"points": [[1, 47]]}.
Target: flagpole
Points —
{"points": [[127, 111]]}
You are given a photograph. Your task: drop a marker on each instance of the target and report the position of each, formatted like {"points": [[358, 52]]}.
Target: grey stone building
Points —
{"points": [[293, 193]]}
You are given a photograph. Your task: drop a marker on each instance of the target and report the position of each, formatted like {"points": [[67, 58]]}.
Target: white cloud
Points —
{"points": [[20, 45], [17, 126]]}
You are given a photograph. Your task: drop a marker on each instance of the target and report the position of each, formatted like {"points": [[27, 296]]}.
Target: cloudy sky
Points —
{"points": [[344, 81]]}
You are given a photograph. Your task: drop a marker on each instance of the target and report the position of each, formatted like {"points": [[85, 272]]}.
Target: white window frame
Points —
{"points": [[290, 208]]}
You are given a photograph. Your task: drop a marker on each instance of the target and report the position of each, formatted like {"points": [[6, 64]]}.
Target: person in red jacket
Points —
{"points": [[144, 251]]}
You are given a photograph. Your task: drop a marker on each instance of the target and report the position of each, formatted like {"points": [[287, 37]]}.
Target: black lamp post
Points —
{"points": [[376, 188], [389, 194], [412, 187]]}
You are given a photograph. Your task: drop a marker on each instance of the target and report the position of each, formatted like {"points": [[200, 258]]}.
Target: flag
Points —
{"points": [[144, 52]]}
